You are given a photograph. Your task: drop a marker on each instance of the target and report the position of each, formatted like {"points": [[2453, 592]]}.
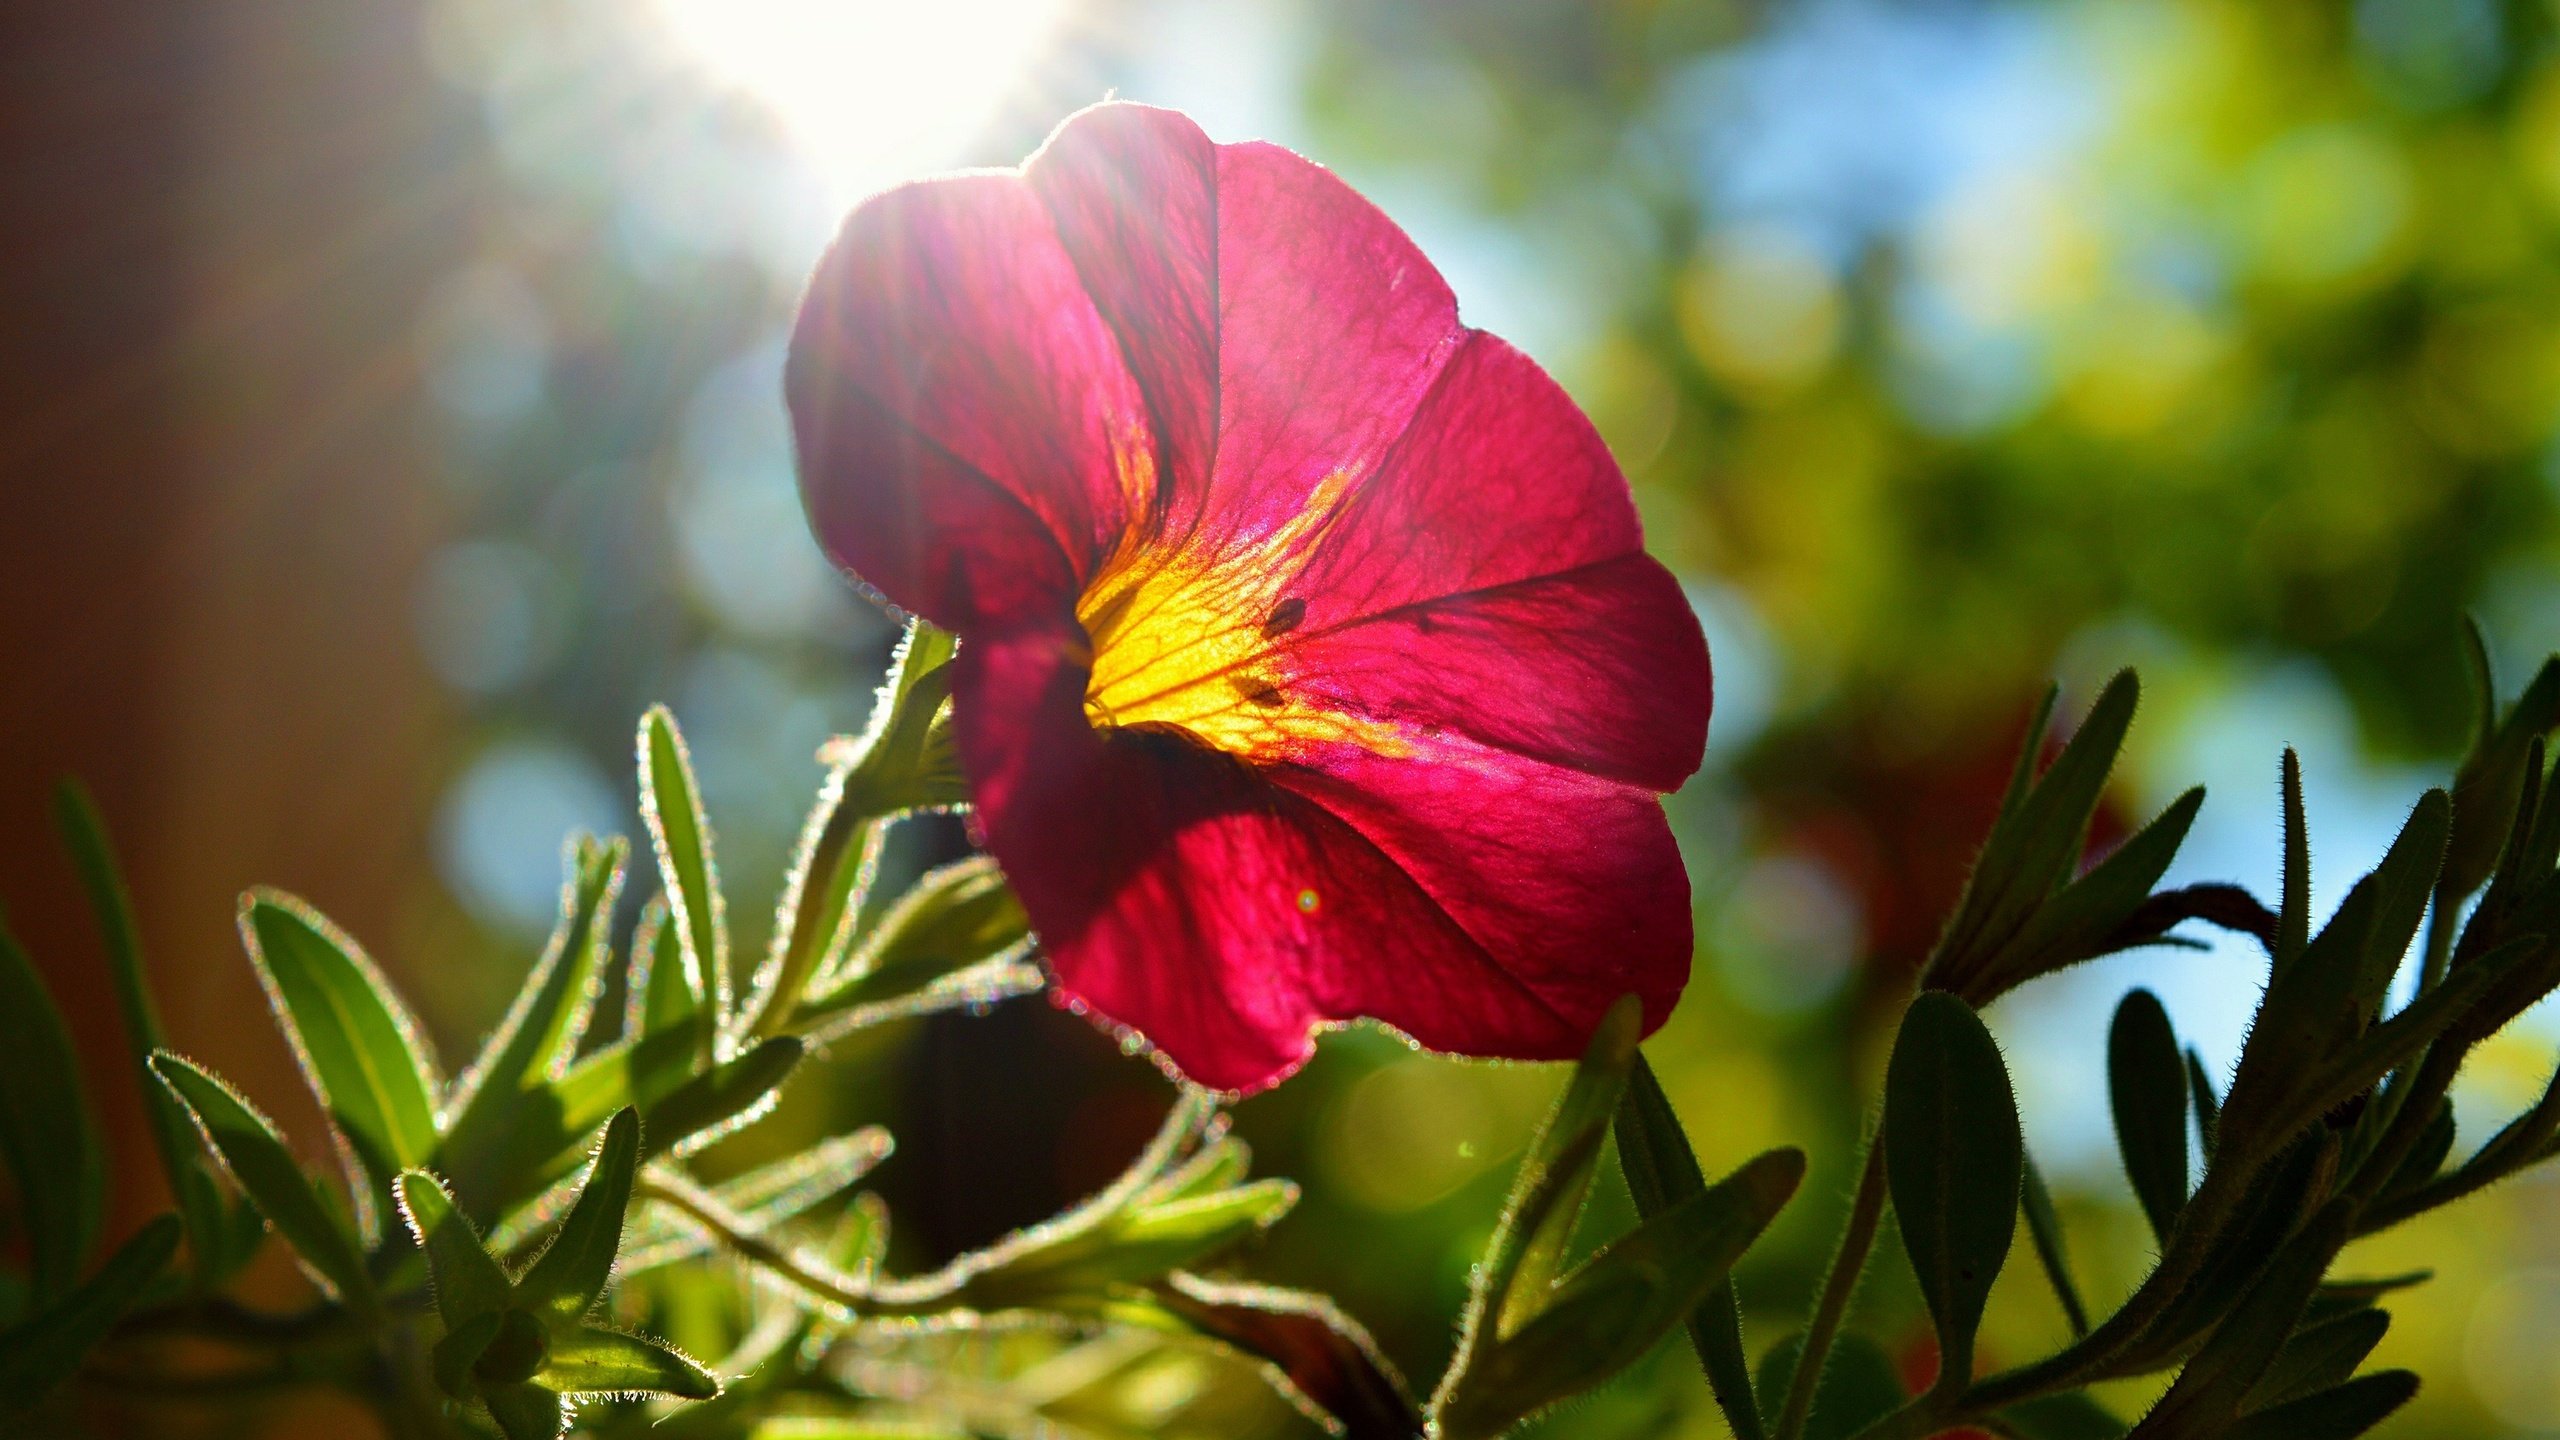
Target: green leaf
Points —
{"points": [[2275, 1204], [2293, 915], [2487, 786], [2320, 1356], [671, 807], [904, 759], [526, 1411], [1859, 1385], [2435, 1142], [570, 1276], [1312, 1353], [589, 1361], [2084, 919], [821, 899], [540, 1033], [358, 1047], [469, 1283], [254, 1154], [955, 916], [766, 1197], [1662, 1171], [721, 1100], [2147, 1086], [1612, 1309], [665, 989], [2208, 1105], [2071, 1415], [2209, 1392], [42, 1352], [2404, 882], [2340, 1414], [2044, 1228], [2033, 847], [200, 1203], [458, 1354], [1070, 1265], [46, 1132], [1954, 1161], [551, 1128], [1546, 1200]]}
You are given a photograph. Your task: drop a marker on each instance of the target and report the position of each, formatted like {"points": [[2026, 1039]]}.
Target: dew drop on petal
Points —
{"points": [[1308, 900]]}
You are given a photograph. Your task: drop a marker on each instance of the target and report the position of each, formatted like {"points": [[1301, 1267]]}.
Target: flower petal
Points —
{"points": [[1133, 192], [1600, 669], [1283, 329], [1570, 885], [968, 433], [1184, 895]]}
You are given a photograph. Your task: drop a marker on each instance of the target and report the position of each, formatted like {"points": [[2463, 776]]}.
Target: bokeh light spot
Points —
{"points": [[873, 91]]}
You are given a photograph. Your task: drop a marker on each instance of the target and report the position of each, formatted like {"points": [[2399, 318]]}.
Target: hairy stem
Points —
{"points": [[1839, 1283]]}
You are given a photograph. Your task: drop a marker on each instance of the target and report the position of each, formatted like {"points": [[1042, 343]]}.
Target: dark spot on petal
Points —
{"points": [[1260, 691], [1285, 617]]}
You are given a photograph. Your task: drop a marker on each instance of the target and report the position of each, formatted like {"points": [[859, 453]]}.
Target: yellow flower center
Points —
{"points": [[1196, 636]]}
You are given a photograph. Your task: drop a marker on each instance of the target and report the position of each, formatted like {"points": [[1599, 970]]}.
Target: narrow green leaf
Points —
{"points": [[2022, 773], [540, 1033], [1954, 1161], [2209, 1392], [469, 1282], [955, 916], [1859, 1385], [1546, 1201], [2434, 1144], [721, 1100], [526, 1411], [766, 1197], [671, 806], [570, 1276], [1313, 1354], [2044, 1228], [1070, 1266], [458, 1354], [2493, 774], [1662, 1171], [1613, 1308], [47, 1133], [2071, 1415], [821, 899], [2320, 1356], [2208, 1106], [589, 1361], [2032, 852], [254, 1154], [665, 990], [359, 1047], [2404, 882], [2274, 1206], [42, 1353], [200, 1204], [2083, 919], [904, 758], [552, 1127], [2340, 1414], [2147, 1086], [2293, 915]]}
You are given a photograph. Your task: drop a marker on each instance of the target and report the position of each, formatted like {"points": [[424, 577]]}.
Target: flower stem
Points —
{"points": [[1839, 1283]]}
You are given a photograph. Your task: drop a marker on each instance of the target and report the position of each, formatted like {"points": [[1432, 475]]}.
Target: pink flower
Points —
{"points": [[1311, 665]]}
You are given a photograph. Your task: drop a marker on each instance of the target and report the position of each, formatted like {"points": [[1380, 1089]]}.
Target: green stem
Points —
{"points": [[1839, 1283], [704, 1209]]}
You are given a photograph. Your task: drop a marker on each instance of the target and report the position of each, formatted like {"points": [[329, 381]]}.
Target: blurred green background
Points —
{"points": [[392, 411]]}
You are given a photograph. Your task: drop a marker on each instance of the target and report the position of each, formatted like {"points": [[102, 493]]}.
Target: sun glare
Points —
{"points": [[872, 91]]}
